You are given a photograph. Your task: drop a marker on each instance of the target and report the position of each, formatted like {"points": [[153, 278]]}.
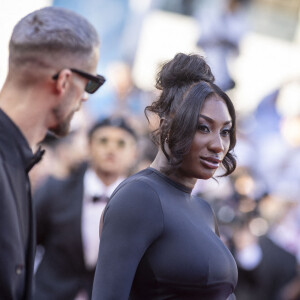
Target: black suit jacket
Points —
{"points": [[17, 240], [62, 272], [276, 269]]}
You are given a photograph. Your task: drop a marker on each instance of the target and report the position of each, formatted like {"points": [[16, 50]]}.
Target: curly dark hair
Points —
{"points": [[186, 82]]}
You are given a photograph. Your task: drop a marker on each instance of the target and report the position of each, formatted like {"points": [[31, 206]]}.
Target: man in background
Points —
{"points": [[53, 54], [68, 212]]}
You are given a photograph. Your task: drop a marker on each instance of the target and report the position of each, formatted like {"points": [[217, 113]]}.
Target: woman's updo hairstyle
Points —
{"points": [[185, 82]]}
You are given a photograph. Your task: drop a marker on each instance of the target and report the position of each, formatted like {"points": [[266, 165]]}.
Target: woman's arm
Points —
{"points": [[132, 221]]}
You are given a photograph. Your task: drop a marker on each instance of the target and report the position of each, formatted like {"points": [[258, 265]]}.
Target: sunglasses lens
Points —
{"points": [[92, 87]]}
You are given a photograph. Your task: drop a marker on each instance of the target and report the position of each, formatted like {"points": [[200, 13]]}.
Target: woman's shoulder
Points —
{"points": [[136, 202], [137, 190], [141, 180]]}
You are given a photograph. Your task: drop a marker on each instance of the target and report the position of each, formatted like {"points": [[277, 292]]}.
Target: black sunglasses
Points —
{"points": [[94, 81]]}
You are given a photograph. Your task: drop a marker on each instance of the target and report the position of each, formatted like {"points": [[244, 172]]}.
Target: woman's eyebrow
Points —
{"points": [[210, 120]]}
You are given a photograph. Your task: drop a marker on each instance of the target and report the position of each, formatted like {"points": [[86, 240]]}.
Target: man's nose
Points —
{"points": [[85, 96]]}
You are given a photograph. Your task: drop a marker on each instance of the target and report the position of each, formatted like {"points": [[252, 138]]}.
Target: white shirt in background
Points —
{"points": [[91, 213]]}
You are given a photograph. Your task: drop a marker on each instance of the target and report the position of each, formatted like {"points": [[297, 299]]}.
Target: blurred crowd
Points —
{"points": [[258, 206]]}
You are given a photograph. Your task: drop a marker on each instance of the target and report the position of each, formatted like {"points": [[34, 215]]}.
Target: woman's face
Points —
{"points": [[211, 141]]}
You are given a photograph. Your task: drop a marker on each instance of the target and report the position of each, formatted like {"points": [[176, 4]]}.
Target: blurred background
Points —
{"points": [[253, 47]]}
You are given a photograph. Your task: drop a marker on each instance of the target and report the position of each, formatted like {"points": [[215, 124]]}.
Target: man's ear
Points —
{"points": [[63, 82]]}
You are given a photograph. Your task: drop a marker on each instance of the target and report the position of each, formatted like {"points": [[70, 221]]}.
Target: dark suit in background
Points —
{"points": [[265, 282], [69, 211], [62, 272]]}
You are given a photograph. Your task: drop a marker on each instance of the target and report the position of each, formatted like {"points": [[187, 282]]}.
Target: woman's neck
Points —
{"points": [[160, 163]]}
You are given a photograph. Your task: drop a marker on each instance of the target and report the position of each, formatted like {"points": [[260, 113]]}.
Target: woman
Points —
{"points": [[159, 241]]}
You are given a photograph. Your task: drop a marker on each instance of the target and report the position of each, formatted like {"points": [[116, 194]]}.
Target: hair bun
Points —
{"points": [[183, 70]]}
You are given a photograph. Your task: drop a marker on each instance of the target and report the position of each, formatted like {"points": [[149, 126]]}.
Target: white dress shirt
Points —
{"points": [[91, 213]]}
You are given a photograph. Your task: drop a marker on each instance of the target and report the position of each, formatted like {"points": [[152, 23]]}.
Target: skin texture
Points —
{"points": [[211, 142]]}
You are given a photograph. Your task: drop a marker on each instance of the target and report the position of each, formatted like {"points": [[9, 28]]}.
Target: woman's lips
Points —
{"points": [[210, 162]]}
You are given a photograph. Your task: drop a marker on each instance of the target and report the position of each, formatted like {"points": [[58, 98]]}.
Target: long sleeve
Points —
{"points": [[133, 220]]}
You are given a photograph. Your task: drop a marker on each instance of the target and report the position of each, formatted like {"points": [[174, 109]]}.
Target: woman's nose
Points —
{"points": [[216, 145]]}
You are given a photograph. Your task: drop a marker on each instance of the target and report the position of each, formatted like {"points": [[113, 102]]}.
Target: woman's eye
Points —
{"points": [[203, 128], [226, 132]]}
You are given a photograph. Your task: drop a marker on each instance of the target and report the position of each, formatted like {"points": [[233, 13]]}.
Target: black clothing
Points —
{"points": [[159, 242], [277, 268], [17, 239], [62, 271]]}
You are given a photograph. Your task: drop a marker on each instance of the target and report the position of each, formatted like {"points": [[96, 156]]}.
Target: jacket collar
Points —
{"points": [[15, 146]]}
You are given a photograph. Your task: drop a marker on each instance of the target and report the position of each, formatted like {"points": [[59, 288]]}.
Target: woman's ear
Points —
{"points": [[162, 121]]}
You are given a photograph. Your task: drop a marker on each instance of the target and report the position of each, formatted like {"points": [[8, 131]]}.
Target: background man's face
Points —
{"points": [[112, 150]]}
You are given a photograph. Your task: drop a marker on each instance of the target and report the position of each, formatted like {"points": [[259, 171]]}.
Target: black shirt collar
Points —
{"points": [[15, 145]]}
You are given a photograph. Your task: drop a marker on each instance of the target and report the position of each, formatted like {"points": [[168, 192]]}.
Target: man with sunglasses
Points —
{"points": [[53, 54]]}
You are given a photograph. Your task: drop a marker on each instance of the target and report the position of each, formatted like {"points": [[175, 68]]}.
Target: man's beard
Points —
{"points": [[63, 127]]}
